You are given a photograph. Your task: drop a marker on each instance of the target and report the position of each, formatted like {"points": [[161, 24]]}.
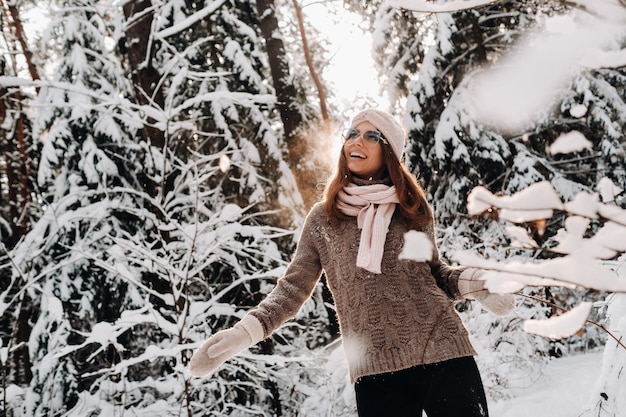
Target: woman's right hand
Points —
{"points": [[224, 345]]}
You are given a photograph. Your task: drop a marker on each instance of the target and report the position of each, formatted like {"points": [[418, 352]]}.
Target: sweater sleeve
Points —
{"points": [[447, 276], [295, 286]]}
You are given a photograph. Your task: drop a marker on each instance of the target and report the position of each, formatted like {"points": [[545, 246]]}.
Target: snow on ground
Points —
{"points": [[562, 391]]}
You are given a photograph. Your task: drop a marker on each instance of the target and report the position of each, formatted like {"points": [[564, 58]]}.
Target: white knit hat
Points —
{"points": [[388, 126]]}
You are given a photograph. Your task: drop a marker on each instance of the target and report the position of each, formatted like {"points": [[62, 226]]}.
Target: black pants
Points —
{"points": [[446, 389]]}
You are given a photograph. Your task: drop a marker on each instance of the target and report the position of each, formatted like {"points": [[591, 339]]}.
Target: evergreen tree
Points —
{"points": [[467, 152], [164, 197], [86, 159], [215, 89]]}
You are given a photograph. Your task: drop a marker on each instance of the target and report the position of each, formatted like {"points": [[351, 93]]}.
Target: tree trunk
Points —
{"points": [[138, 48], [18, 32], [279, 67], [13, 144], [300, 155], [321, 93]]}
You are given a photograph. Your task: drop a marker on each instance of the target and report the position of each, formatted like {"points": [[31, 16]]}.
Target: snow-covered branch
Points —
{"points": [[425, 6], [581, 265], [190, 20]]}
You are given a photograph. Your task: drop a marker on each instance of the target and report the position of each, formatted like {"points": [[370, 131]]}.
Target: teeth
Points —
{"points": [[357, 155]]}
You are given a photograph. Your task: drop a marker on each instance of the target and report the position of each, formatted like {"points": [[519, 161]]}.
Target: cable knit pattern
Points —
{"points": [[394, 320]]}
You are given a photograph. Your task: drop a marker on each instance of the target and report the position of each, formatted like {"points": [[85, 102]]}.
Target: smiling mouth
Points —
{"points": [[357, 155]]}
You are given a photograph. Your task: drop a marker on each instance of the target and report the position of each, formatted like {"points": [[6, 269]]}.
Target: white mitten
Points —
{"points": [[473, 287], [225, 344]]}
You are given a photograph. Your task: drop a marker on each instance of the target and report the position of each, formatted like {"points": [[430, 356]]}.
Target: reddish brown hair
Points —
{"points": [[413, 205]]}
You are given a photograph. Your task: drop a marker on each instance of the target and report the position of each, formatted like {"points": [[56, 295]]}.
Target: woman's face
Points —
{"points": [[364, 158]]}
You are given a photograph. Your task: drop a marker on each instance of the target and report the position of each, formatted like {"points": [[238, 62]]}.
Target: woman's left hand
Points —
{"points": [[473, 287]]}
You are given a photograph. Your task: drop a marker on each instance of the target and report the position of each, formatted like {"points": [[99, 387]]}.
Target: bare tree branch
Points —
{"points": [[309, 62], [21, 37]]}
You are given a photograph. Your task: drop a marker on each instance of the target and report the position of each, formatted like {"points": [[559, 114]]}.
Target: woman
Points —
{"points": [[406, 347]]}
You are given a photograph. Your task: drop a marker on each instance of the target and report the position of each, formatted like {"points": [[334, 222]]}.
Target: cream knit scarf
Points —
{"points": [[373, 205]]}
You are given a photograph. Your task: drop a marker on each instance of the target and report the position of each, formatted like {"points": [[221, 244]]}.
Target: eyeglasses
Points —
{"points": [[370, 137]]}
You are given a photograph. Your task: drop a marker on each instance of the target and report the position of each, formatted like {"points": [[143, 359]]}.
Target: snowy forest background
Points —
{"points": [[158, 158]]}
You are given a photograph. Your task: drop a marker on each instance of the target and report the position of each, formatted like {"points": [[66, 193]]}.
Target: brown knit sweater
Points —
{"points": [[390, 321]]}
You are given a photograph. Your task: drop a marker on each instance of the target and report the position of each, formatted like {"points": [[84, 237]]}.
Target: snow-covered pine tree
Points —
{"points": [[156, 199], [467, 153], [217, 101], [87, 160], [598, 102]]}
